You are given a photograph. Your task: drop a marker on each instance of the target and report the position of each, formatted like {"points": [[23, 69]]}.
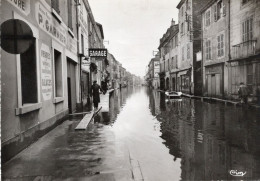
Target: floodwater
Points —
{"points": [[172, 140]]}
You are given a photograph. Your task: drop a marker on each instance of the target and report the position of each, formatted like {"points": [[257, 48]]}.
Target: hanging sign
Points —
{"points": [[46, 72], [97, 52]]}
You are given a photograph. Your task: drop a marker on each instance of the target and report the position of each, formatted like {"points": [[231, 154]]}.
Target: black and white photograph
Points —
{"points": [[130, 90]]}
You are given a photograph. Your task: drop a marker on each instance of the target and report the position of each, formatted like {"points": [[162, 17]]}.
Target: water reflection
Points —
{"points": [[210, 138], [117, 101]]}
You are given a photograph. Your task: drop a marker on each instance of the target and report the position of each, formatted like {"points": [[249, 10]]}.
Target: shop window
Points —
{"points": [[220, 40], [208, 50], [55, 5], [29, 75], [247, 29], [70, 14], [249, 70], [58, 73], [207, 18]]}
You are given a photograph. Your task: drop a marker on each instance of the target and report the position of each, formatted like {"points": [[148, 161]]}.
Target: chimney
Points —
{"points": [[173, 22]]}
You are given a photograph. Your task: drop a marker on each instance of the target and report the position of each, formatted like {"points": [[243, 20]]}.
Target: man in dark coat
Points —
{"points": [[95, 93], [243, 92]]}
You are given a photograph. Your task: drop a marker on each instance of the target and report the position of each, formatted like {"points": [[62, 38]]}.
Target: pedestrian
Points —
{"points": [[243, 93], [104, 86], [95, 88]]}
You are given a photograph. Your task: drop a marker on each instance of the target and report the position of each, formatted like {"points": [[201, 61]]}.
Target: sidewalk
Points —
{"points": [[103, 107]]}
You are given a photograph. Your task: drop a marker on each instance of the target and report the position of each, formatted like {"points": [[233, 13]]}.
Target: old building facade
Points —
{"points": [[215, 43], [168, 49], [189, 75], [40, 85], [244, 63]]}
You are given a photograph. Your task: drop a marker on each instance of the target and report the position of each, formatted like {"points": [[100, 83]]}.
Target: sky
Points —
{"points": [[134, 28]]}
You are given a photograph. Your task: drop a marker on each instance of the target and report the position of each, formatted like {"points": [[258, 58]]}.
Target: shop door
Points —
{"points": [[214, 84], [69, 95], [71, 77]]}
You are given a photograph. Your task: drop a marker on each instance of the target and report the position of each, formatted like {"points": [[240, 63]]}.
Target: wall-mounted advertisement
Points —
{"points": [[46, 72]]}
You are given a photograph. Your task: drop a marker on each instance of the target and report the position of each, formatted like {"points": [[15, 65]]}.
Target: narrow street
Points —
{"points": [[181, 139]]}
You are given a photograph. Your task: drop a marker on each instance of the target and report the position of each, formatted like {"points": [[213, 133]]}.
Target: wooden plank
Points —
{"points": [[85, 121]]}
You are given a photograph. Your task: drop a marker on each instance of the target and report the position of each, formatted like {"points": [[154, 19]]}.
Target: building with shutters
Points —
{"points": [[244, 63], [41, 84], [189, 74], [215, 43], [168, 49]]}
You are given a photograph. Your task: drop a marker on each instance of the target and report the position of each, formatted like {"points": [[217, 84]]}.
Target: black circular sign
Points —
{"points": [[16, 36]]}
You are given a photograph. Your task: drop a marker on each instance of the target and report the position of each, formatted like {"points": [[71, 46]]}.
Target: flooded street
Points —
{"points": [[182, 139]]}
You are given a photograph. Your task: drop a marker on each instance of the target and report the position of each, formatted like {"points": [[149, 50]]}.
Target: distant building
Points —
{"points": [[153, 72], [169, 57]]}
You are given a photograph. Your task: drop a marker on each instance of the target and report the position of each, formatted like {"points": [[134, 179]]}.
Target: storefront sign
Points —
{"points": [[97, 52], [49, 24], [46, 72], [22, 5]]}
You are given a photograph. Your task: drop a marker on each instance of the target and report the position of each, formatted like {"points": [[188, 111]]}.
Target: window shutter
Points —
{"points": [[215, 13], [224, 10]]}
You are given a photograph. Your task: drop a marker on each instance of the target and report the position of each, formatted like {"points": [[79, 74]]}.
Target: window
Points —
{"points": [[176, 40], [29, 75], [172, 63], [188, 4], [182, 52], [247, 29], [208, 50], [245, 1], [218, 10], [221, 45], [58, 74], [176, 60], [207, 18], [82, 44], [182, 30], [188, 51], [70, 14], [55, 5]]}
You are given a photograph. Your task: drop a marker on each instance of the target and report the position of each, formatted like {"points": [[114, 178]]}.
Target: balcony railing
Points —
{"points": [[243, 50]]}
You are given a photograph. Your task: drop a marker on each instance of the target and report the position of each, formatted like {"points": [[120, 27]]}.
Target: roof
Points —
{"points": [[180, 4], [171, 32]]}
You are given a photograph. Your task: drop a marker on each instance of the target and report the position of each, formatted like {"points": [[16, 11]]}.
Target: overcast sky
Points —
{"points": [[134, 28]]}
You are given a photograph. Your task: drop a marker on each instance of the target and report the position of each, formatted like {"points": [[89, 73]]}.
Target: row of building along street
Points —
{"points": [[51, 53], [211, 50]]}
